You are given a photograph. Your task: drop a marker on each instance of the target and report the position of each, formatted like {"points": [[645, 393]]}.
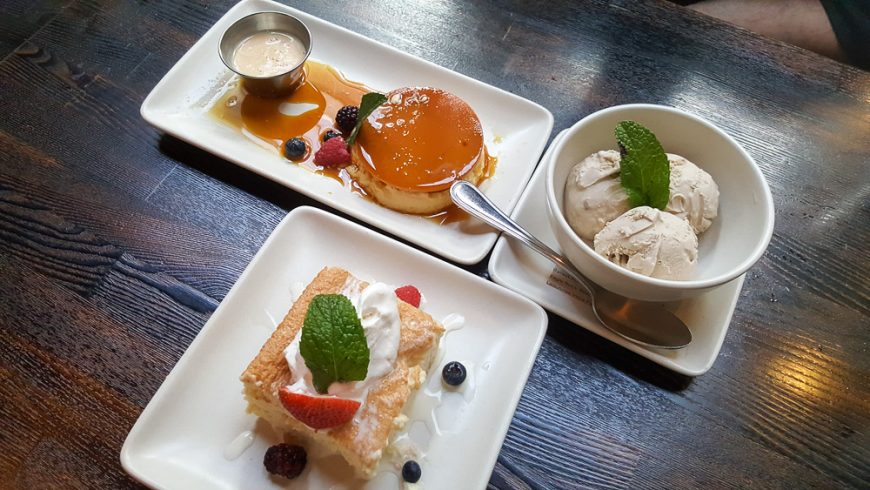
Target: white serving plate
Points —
{"points": [[515, 129], [514, 266], [180, 437]]}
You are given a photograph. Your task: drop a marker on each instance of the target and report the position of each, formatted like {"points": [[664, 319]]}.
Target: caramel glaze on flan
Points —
{"points": [[414, 146]]}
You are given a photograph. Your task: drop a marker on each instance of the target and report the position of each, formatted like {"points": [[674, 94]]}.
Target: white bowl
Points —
{"points": [[737, 237]]}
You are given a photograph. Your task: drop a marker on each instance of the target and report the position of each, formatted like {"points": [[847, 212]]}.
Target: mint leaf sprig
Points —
{"points": [[367, 105], [645, 173], [333, 342]]}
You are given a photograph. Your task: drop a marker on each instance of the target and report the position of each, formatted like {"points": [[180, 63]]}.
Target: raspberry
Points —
{"points": [[332, 153], [345, 118], [409, 294], [285, 460]]}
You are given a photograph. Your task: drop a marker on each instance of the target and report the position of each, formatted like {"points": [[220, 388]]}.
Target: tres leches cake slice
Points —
{"points": [[340, 367]]}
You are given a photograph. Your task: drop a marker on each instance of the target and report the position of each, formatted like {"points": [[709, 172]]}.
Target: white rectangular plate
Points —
{"points": [[180, 437], [515, 129], [514, 266]]}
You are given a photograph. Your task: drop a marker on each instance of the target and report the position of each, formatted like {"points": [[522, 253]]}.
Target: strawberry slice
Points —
{"points": [[318, 412], [409, 294]]}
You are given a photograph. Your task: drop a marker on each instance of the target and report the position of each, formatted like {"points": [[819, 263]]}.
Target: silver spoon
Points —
{"points": [[647, 324]]}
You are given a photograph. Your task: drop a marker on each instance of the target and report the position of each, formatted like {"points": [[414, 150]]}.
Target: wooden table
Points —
{"points": [[116, 243]]}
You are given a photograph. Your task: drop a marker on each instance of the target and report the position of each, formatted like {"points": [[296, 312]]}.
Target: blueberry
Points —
{"points": [[453, 373], [411, 471], [295, 148], [329, 135]]}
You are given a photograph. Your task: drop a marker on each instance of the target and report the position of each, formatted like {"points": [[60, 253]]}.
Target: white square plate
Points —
{"points": [[180, 437], [514, 266], [515, 129]]}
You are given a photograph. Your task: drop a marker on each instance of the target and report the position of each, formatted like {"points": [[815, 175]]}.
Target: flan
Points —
{"points": [[362, 441], [414, 146]]}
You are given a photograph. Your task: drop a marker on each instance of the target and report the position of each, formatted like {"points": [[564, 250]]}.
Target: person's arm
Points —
{"points": [[803, 23]]}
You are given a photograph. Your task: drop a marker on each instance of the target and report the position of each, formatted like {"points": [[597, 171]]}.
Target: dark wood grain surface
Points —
{"points": [[116, 242]]}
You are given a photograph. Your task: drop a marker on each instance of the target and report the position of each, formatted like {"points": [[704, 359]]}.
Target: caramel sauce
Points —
{"points": [[452, 213], [421, 139], [309, 112]]}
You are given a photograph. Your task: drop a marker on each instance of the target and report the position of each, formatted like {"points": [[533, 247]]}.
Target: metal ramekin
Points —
{"points": [[245, 27]]}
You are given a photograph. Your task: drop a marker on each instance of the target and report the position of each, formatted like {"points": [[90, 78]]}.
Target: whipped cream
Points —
{"points": [[378, 310]]}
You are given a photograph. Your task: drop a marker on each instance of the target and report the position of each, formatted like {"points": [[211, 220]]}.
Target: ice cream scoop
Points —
{"points": [[593, 193], [642, 322], [650, 242], [694, 194]]}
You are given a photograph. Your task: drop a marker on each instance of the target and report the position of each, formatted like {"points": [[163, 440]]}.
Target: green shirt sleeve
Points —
{"points": [[850, 20]]}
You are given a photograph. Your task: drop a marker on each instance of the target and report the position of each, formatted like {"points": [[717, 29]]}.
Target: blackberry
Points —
{"points": [[345, 118], [295, 148], [329, 135], [285, 460], [411, 471], [453, 373]]}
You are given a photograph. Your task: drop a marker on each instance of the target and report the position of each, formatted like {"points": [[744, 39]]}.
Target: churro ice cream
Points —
{"points": [[650, 242], [694, 194], [594, 195]]}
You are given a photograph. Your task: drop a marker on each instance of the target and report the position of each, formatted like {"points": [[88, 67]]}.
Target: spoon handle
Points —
{"points": [[471, 200]]}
